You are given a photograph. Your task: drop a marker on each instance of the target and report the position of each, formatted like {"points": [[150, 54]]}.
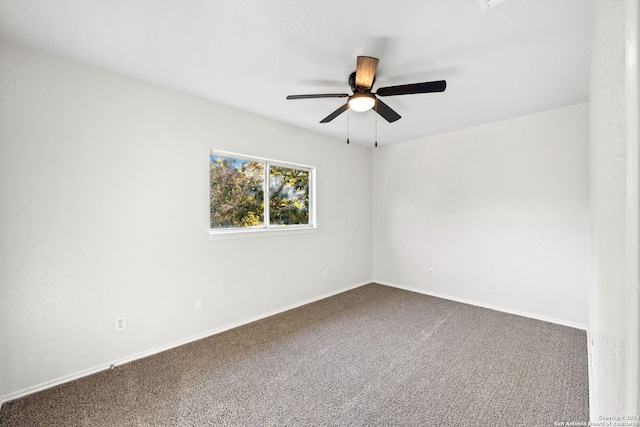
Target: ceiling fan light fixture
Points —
{"points": [[361, 102], [361, 82]]}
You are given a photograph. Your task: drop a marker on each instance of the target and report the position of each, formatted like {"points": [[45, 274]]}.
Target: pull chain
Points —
{"points": [[347, 127], [376, 128]]}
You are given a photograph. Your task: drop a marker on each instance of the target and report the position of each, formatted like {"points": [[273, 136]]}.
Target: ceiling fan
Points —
{"points": [[361, 82]]}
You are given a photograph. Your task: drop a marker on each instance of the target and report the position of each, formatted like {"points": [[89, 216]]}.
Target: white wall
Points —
{"points": [[611, 315], [499, 211], [632, 233], [104, 212]]}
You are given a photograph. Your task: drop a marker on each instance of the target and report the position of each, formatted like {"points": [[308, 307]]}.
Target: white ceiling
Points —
{"points": [[519, 57]]}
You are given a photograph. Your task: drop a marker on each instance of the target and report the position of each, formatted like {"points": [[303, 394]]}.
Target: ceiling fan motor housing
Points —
{"points": [[358, 89]]}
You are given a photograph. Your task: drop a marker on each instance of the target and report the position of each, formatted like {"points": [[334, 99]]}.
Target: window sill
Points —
{"points": [[276, 231]]}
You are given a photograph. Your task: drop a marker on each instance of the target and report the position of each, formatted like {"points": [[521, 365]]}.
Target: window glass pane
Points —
{"points": [[289, 196], [237, 192]]}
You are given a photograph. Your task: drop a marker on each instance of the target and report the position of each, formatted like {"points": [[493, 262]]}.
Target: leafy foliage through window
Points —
{"points": [[248, 192]]}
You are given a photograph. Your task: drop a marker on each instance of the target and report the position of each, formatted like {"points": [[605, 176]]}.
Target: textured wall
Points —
{"points": [[499, 211], [104, 211], [608, 317]]}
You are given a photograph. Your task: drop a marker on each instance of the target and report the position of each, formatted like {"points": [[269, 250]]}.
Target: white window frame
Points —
{"points": [[268, 228]]}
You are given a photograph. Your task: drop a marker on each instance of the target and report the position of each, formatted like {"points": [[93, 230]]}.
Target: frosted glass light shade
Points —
{"points": [[362, 102]]}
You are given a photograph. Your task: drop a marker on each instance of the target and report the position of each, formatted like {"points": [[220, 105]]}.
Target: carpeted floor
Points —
{"points": [[373, 356]]}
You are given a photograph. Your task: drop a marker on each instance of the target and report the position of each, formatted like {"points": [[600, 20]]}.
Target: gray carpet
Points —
{"points": [[373, 356]]}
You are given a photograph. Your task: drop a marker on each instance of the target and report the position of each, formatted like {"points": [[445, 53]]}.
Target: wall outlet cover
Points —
{"points": [[120, 323]]}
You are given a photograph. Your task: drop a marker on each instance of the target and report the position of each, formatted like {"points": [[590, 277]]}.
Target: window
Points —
{"points": [[252, 194]]}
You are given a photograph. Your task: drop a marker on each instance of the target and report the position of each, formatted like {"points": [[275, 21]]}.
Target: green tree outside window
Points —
{"points": [[238, 189]]}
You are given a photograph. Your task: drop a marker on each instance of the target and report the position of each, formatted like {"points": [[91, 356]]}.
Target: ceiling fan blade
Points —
{"points": [[335, 114], [366, 71], [426, 87], [319, 95], [386, 112]]}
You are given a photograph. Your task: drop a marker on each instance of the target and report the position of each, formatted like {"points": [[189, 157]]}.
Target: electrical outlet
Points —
{"points": [[324, 274], [120, 323], [197, 304], [432, 272]]}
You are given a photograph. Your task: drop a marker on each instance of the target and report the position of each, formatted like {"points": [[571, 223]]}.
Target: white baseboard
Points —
{"points": [[169, 346], [483, 305]]}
